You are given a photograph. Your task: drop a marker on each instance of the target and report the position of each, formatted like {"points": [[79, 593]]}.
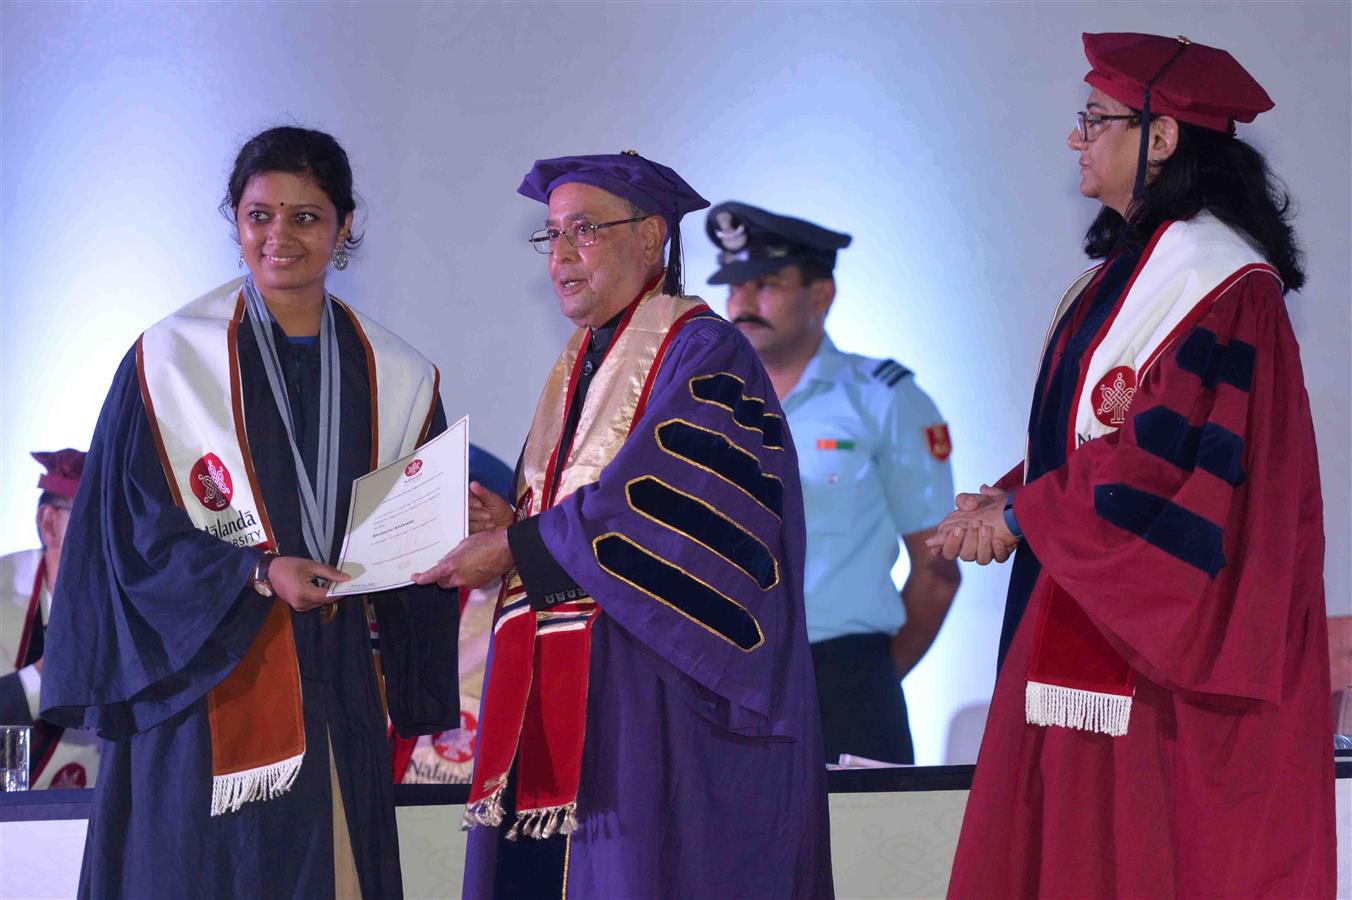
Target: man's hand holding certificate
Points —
{"points": [[404, 516], [483, 556]]}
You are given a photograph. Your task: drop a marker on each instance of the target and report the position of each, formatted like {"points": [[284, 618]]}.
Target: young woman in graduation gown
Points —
{"points": [[244, 711]]}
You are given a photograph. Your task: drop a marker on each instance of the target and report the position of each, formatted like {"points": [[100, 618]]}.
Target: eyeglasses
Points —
{"points": [[580, 233], [1085, 121]]}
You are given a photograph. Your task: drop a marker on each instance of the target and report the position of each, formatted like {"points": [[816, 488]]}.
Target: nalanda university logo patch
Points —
{"points": [[457, 745], [1113, 395], [211, 483], [71, 775]]}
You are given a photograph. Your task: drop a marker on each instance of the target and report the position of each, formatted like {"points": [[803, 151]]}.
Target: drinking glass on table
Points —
{"points": [[14, 741]]}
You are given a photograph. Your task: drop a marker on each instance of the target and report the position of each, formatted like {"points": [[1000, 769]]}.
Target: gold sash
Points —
{"points": [[617, 392]]}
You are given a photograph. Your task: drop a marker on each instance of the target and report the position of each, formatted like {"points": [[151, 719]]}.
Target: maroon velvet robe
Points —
{"points": [[1223, 785]]}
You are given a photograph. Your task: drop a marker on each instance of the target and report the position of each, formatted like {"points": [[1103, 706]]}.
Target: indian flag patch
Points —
{"points": [[834, 444]]}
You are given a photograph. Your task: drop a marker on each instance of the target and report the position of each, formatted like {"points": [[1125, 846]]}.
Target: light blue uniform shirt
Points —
{"points": [[873, 455]]}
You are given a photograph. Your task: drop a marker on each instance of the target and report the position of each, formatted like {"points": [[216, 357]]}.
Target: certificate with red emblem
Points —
{"points": [[405, 516]]}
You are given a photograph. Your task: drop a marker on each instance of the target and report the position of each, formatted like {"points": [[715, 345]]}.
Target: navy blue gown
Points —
{"points": [[154, 613]]}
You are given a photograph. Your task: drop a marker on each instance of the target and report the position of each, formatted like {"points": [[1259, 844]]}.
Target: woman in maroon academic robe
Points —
{"points": [[1159, 725]]}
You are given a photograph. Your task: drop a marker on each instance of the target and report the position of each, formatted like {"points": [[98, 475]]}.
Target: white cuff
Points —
{"points": [[31, 679]]}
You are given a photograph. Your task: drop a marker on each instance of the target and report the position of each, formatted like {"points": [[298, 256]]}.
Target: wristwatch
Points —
{"points": [[1010, 522], [260, 574]]}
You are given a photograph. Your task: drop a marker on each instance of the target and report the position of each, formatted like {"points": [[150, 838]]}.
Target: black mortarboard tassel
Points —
{"points": [[673, 285], [1138, 191]]}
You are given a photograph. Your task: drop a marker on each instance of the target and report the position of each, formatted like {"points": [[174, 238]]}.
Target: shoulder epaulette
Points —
{"points": [[889, 372]]}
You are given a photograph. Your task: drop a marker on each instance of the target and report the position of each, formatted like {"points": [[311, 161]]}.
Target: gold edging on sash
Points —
{"points": [[587, 604], [567, 854], [614, 396], [668, 604], [718, 475], [742, 382], [694, 312], [630, 500]]}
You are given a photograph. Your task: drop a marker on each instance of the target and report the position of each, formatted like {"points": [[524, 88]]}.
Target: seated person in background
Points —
{"points": [[447, 757], [56, 758], [1340, 677], [873, 457]]}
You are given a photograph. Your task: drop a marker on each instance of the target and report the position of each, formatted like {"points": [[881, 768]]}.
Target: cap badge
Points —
{"points": [[731, 233]]}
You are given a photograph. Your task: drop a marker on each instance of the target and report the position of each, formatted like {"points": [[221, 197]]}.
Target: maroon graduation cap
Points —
{"points": [[64, 468], [1173, 77]]}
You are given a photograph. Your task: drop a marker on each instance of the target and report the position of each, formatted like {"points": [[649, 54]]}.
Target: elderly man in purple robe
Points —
{"points": [[648, 724]]}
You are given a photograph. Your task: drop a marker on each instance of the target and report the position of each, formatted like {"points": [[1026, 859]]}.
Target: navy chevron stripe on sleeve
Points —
{"points": [[678, 589], [713, 452], [1208, 447], [704, 525], [725, 390], [1168, 526], [1230, 363]]}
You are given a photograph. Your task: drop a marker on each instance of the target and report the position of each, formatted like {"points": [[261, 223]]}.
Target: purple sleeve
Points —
{"points": [[692, 539], [546, 582]]}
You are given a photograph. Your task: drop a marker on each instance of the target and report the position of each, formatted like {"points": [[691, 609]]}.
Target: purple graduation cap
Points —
{"points": [[651, 186]]}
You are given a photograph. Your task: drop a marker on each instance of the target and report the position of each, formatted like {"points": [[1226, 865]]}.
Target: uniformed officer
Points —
{"points": [[873, 453]]}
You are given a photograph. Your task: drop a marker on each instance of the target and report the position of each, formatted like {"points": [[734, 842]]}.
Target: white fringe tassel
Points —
{"points": [[487, 811], [545, 822], [230, 792], [1050, 704]]}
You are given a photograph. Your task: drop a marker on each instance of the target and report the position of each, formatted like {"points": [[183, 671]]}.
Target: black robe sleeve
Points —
{"points": [[13, 701], [419, 626]]}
